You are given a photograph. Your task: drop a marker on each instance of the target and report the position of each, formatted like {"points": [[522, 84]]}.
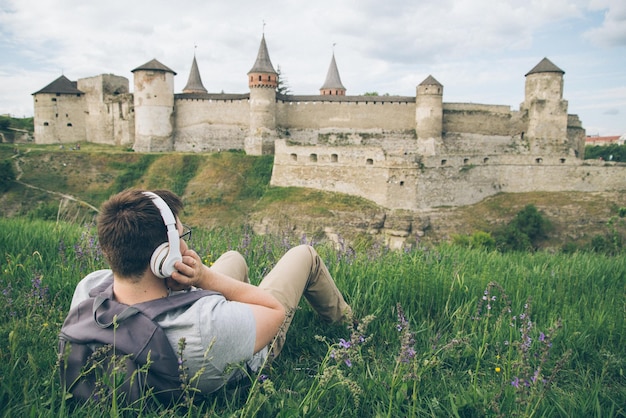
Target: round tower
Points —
{"points": [[263, 81], [545, 107], [429, 115], [154, 107]]}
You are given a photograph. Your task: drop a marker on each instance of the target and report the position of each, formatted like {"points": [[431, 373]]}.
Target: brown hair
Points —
{"points": [[130, 228]]}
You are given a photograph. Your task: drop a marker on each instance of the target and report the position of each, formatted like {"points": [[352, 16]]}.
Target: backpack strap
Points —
{"points": [[119, 312]]}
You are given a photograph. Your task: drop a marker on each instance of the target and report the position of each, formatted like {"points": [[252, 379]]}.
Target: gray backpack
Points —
{"points": [[104, 344]]}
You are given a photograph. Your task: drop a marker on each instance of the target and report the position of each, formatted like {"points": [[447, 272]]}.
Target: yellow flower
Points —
{"points": [[498, 370]]}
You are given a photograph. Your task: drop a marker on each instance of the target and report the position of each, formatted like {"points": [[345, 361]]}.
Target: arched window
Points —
{"points": [[369, 161], [313, 158], [333, 158], [294, 157]]}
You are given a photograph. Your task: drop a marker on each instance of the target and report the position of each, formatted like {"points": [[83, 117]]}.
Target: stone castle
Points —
{"points": [[401, 152]]}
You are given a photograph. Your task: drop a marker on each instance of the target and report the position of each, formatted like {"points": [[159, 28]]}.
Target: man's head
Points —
{"points": [[131, 227]]}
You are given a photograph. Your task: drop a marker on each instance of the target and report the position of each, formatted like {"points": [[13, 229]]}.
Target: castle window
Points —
{"points": [[369, 161], [562, 160], [465, 161], [54, 99], [45, 124], [486, 160], [260, 78], [333, 158], [294, 157], [69, 124], [313, 158], [538, 160], [401, 182], [444, 162]]}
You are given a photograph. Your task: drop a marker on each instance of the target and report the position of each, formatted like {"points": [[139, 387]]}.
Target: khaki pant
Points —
{"points": [[299, 272]]}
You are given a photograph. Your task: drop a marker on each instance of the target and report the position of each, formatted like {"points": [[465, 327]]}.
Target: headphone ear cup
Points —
{"points": [[158, 257]]}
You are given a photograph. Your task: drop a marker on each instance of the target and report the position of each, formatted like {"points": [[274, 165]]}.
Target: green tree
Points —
{"points": [[283, 85]]}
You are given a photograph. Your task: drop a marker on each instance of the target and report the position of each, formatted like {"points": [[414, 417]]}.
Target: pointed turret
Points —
{"points": [[333, 86], [263, 81], [262, 73], [194, 83]]}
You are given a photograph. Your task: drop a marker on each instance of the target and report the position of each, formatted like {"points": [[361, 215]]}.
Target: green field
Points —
{"points": [[444, 331]]}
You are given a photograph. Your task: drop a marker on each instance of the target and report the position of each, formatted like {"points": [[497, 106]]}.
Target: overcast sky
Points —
{"points": [[478, 49]]}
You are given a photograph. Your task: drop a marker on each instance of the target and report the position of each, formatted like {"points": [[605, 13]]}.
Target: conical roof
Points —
{"points": [[263, 63], [61, 85], [194, 84], [154, 65], [333, 81], [430, 81], [545, 66]]}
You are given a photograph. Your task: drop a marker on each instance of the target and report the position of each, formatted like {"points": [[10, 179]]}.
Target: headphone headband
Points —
{"points": [[164, 257]]}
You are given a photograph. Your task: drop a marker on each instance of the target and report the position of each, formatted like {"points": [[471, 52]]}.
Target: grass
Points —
{"points": [[444, 331]]}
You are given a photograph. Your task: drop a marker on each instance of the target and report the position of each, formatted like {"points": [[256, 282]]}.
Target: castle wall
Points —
{"points": [[359, 171], [365, 114], [210, 125], [480, 119], [414, 182], [60, 118], [451, 187], [121, 114]]}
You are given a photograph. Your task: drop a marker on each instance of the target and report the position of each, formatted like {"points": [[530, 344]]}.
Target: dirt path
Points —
{"points": [[20, 172]]}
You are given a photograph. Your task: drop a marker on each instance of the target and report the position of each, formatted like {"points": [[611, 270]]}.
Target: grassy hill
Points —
{"points": [[231, 188]]}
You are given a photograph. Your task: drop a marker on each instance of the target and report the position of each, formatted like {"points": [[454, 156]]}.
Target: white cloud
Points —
{"points": [[612, 31], [479, 49]]}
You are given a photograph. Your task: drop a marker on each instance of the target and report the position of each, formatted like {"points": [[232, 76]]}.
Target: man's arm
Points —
{"points": [[268, 312]]}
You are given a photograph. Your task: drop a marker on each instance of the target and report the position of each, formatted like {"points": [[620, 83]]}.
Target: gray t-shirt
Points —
{"points": [[219, 335]]}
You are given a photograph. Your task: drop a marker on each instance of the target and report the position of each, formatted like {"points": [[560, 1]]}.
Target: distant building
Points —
{"points": [[402, 152], [603, 140]]}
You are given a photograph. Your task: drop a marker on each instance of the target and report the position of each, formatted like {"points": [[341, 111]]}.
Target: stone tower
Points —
{"points": [[546, 109], [59, 113], [332, 86], [154, 107], [263, 81], [429, 115]]}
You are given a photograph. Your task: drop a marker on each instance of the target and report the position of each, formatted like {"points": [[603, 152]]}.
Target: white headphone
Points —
{"points": [[168, 253]]}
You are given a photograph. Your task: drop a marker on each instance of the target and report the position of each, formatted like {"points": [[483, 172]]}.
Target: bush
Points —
{"points": [[525, 232], [479, 239], [7, 175]]}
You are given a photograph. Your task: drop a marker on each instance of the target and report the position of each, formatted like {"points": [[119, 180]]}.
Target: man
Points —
{"points": [[144, 243]]}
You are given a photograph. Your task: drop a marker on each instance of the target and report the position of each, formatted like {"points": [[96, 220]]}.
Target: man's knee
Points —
{"points": [[233, 264]]}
